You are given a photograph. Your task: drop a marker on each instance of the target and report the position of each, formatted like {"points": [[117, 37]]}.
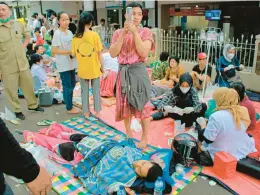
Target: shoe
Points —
{"points": [[20, 115], [37, 109]]}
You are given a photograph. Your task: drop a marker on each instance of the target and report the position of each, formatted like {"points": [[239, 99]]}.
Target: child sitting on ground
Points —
{"points": [[38, 71]]}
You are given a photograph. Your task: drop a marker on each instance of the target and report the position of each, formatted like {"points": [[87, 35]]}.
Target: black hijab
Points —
{"points": [[183, 100], [186, 77]]}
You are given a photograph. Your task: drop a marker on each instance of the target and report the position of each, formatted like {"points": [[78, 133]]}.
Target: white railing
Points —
{"points": [[188, 45]]}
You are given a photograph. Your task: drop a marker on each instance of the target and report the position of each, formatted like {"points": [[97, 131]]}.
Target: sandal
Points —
{"points": [[45, 122]]}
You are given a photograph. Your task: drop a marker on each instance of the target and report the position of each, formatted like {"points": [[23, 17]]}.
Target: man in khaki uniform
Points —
{"points": [[14, 64]]}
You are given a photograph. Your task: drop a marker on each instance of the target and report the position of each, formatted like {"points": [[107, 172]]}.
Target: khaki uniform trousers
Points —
{"points": [[23, 80]]}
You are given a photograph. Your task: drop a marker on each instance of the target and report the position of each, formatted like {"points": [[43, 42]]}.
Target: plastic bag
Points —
{"points": [[41, 155], [135, 125], [210, 90], [8, 115]]}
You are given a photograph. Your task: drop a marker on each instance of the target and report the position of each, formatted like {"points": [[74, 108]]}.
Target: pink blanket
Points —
{"points": [[50, 138]]}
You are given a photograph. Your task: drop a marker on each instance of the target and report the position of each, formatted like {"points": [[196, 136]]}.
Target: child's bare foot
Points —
{"points": [[97, 114], [142, 144], [73, 111], [86, 114]]}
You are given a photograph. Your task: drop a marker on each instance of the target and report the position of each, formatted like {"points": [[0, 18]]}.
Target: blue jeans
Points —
{"points": [[68, 79], [8, 190]]}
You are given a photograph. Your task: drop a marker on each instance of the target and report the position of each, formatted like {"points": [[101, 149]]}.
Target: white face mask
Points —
{"points": [[230, 56], [184, 89]]}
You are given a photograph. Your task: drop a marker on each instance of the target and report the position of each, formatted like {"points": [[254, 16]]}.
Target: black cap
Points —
{"points": [[3, 3]]}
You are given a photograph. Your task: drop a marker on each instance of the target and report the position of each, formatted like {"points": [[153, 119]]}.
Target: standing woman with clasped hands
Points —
{"points": [[132, 45]]}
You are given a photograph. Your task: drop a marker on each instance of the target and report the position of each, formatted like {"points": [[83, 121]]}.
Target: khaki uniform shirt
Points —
{"points": [[12, 53]]}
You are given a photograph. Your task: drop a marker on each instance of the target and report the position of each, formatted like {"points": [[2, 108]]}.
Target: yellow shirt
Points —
{"points": [[170, 74], [12, 53], [86, 50]]}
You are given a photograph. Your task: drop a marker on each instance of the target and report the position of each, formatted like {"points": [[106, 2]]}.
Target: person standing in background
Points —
{"points": [[36, 23], [61, 47], [87, 47], [14, 64], [45, 22], [103, 31], [72, 27], [54, 22]]}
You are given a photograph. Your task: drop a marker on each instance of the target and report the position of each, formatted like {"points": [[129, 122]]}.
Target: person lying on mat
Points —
{"points": [[226, 128], [244, 101], [198, 72], [108, 79], [227, 65], [173, 73], [108, 164], [181, 103]]}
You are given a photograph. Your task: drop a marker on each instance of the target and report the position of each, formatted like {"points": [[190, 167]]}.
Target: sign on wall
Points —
{"points": [[187, 11]]}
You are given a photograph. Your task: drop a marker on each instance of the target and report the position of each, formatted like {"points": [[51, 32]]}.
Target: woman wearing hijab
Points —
{"points": [[181, 103], [226, 128], [227, 65]]}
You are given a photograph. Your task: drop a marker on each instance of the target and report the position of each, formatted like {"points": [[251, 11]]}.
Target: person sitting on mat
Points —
{"points": [[198, 72], [181, 103], [173, 73], [38, 71], [226, 128], [227, 65], [108, 79], [160, 67], [244, 101]]}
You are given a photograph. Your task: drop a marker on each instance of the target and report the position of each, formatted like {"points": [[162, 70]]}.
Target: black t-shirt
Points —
{"points": [[196, 68], [15, 161]]}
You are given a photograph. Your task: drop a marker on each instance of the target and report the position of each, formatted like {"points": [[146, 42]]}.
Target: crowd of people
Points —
{"points": [[60, 51]]}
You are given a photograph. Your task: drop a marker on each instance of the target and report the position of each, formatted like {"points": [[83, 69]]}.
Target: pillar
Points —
{"points": [[226, 26], [89, 5], [256, 64]]}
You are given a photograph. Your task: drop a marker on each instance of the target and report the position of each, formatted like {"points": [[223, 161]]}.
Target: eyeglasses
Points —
{"points": [[203, 59]]}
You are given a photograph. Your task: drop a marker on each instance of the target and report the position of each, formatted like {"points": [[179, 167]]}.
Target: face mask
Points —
{"points": [[230, 56], [184, 89], [5, 20]]}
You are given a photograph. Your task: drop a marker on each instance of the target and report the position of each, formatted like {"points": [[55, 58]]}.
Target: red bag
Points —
{"points": [[224, 165]]}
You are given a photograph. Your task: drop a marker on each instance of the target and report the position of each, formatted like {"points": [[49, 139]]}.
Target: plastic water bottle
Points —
{"points": [[121, 191], [180, 171], [158, 187]]}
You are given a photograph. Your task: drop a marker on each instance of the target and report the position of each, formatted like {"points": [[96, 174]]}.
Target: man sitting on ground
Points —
{"points": [[198, 72]]}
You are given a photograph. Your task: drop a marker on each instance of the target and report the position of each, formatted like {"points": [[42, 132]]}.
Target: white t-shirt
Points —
{"points": [[62, 40], [38, 71], [36, 24], [221, 129], [110, 63]]}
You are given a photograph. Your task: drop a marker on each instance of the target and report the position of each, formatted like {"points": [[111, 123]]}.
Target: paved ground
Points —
{"points": [[58, 113]]}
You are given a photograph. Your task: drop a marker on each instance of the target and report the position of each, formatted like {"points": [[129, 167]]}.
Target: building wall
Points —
{"points": [[193, 22]]}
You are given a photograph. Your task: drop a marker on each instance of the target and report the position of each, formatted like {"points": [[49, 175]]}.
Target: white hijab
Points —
{"points": [[228, 47]]}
